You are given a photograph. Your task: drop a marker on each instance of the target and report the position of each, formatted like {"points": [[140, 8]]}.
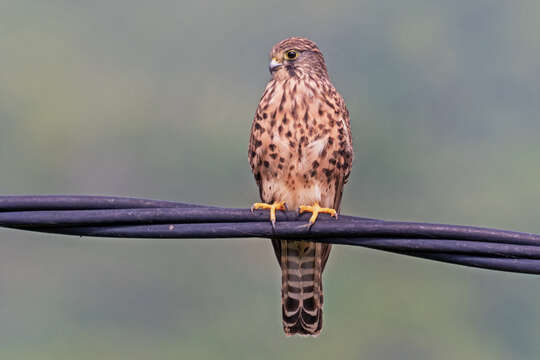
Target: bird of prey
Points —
{"points": [[300, 152]]}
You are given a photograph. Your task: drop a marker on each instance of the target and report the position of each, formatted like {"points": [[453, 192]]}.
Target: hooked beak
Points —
{"points": [[274, 64]]}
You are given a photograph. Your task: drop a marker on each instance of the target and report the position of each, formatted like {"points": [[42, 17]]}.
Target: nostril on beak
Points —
{"points": [[274, 64]]}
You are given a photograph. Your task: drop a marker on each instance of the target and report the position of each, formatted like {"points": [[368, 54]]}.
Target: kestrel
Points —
{"points": [[300, 152]]}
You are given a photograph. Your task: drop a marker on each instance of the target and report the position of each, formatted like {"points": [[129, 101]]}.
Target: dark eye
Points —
{"points": [[291, 55]]}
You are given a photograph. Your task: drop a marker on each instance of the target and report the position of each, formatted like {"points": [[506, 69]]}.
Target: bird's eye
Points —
{"points": [[291, 55]]}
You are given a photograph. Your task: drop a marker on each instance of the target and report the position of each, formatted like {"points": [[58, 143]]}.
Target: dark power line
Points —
{"points": [[119, 217]]}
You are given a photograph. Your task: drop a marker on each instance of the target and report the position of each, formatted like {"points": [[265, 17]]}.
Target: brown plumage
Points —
{"points": [[301, 153]]}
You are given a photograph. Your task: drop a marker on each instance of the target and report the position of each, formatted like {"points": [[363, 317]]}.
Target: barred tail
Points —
{"points": [[302, 264]]}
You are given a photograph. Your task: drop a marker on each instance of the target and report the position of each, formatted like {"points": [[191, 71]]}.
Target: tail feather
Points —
{"points": [[302, 263]]}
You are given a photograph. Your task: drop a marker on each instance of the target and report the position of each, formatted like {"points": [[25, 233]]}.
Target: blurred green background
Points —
{"points": [[155, 99]]}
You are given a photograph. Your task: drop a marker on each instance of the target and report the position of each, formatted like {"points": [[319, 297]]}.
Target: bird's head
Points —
{"points": [[296, 56]]}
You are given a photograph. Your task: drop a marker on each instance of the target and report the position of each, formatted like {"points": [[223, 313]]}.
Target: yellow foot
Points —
{"points": [[277, 205], [316, 210]]}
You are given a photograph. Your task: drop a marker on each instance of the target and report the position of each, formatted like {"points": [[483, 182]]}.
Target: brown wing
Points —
{"points": [[254, 158], [253, 162], [346, 164], [255, 152]]}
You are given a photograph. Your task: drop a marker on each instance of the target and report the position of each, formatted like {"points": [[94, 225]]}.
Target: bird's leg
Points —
{"points": [[316, 210], [276, 205]]}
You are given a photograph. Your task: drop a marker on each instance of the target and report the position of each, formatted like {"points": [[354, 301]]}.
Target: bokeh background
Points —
{"points": [[155, 99]]}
